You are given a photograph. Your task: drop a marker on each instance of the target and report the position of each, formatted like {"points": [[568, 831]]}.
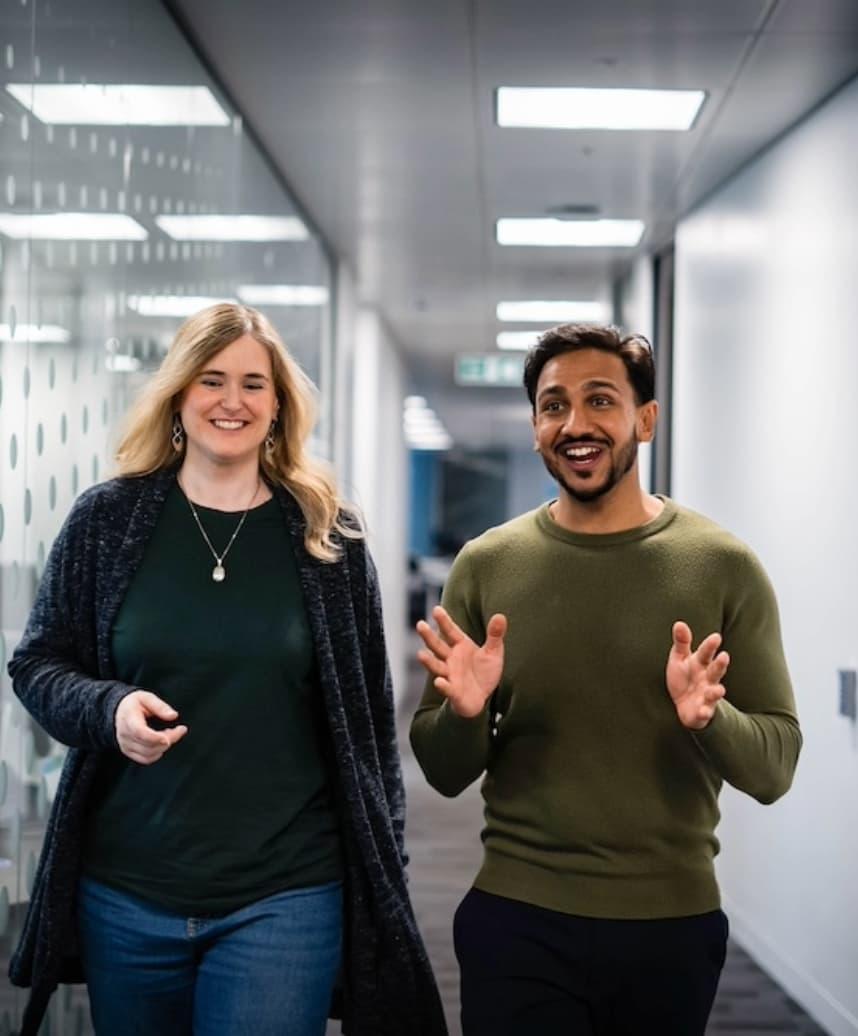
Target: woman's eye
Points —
{"points": [[210, 383]]}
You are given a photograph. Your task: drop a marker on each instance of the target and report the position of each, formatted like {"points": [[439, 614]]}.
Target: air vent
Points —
{"points": [[580, 211]]}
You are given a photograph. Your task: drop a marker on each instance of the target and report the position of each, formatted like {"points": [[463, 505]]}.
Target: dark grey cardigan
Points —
{"points": [[63, 672]]}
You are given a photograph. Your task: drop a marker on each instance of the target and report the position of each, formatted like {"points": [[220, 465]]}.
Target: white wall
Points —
{"points": [[638, 317], [343, 371], [377, 461], [638, 299], [765, 442]]}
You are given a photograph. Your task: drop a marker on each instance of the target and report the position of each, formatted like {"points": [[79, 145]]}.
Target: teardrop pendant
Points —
{"points": [[218, 573]]}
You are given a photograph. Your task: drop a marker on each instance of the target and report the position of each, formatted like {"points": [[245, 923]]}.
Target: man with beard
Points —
{"points": [[564, 671]]}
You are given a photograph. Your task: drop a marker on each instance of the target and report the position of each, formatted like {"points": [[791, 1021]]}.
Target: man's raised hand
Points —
{"points": [[694, 677], [465, 674]]}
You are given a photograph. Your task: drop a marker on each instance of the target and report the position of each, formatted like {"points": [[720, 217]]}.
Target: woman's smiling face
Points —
{"points": [[229, 406]]}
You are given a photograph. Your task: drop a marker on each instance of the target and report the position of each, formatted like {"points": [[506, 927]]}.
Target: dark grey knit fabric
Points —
{"points": [[63, 673]]}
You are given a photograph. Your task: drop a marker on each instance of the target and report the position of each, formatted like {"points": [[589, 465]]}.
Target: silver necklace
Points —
{"points": [[219, 572]]}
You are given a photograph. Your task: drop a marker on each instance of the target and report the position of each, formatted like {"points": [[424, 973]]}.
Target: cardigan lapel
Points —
{"points": [[313, 586], [151, 492], [329, 611]]}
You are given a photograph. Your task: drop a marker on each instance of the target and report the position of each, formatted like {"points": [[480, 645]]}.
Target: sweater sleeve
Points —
{"points": [[53, 667], [753, 740], [453, 751]]}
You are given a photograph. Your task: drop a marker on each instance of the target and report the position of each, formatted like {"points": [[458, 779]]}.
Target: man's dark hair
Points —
{"points": [[634, 350]]}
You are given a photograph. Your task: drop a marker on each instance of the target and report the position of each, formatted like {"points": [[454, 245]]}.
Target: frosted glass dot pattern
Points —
{"points": [[74, 353]]}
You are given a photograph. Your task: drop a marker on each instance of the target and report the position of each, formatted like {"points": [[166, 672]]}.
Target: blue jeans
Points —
{"points": [[265, 970]]}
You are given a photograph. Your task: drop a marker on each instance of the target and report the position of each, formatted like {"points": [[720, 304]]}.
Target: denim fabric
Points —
{"points": [[265, 970]]}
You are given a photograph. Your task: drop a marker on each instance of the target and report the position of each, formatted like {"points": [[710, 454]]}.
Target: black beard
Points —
{"points": [[619, 468]]}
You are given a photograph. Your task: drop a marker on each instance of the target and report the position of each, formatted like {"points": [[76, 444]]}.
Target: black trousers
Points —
{"points": [[527, 971]]}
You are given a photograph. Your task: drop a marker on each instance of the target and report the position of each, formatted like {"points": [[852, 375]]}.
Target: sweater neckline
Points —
{"points": [[606, 539]]}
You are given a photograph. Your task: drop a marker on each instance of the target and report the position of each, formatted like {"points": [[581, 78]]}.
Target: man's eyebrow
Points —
{"points": [[552, 390], [588, 386]]}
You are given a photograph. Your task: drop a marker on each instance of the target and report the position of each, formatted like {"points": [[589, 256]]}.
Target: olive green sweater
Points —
{"points": [[598, 802]]}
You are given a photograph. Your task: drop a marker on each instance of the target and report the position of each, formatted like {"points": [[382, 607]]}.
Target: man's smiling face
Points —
{"points": [[587, 422]]}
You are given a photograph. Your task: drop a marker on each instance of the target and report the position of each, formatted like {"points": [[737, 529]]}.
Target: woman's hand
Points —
{"points": [[465, 674], [137, 740]]}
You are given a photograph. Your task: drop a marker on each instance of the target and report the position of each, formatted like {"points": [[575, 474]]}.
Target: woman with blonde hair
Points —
{"points": [[225, 851]]}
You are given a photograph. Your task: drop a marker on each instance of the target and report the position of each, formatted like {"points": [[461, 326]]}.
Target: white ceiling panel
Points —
{"points": [[381, 116]]}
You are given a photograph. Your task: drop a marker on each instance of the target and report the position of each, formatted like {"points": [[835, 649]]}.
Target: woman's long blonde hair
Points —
{"points": [[146, 444]]}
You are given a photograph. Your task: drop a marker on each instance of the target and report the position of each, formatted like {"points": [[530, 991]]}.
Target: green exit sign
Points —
{"points": [[489, 369]]}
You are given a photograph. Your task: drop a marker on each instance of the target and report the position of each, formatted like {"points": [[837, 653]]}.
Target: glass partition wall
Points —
{"points": [[131, 195]]}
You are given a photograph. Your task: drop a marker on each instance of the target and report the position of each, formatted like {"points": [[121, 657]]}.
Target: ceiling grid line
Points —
{"points": [[487, 218], [749, 49]]}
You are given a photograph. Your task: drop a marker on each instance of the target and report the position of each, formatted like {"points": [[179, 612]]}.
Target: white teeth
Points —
{"points": [[230, 426], [581, 452]]}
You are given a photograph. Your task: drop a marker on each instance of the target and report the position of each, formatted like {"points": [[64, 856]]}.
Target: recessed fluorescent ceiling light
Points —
{"points": [[72, 226], [439, 442], [429, 423], [517, 339], [34, 333], [420, 417], [119, 363], [570, 233], [551, 311], [576, 108], [233, 228], [283, 294], [423, 428], [171, 305], [120, 104]]}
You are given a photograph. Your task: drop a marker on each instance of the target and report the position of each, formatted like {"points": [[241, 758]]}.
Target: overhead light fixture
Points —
{"points": [[570, 233], [424, 420], [72, 226], [233, 228], [171, 305], [553, 311], [440, 444], [599, 109], [120, 363], [283, 294], [35, 333], [120, 104], [517, 339], [423, 428]]}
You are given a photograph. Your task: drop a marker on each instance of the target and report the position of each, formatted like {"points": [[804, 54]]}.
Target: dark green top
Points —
{"points": [[598, 801], [241, 807]]}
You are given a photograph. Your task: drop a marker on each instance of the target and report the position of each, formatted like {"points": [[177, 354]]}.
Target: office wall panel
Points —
{"points": [[765, 398]]}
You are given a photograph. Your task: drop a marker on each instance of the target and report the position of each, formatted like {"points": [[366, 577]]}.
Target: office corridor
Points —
{"points": [[443, 841]]}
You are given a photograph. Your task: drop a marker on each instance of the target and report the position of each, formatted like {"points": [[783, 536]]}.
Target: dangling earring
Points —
{"points": [[269, 439], [178, 436]]}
